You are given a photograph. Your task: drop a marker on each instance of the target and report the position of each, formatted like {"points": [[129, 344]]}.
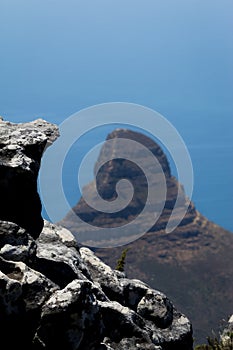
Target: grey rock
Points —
{"points": [[177, 336], [35, 286], [156, 307], [11, 291], [23, 291], [104, 346], [133, 343], [71, 319], [121, 322], [15, 243], [55, 295], [21, 148], [57, 256], [134, 290], [103, 274], [163, 325], [61, 291]]}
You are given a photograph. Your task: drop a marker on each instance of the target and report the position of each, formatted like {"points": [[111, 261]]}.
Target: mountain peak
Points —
{"points": [[145, 141], [129, 155]]}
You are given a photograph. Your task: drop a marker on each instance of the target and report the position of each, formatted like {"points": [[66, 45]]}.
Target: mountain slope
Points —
{"points": [[192, 265]]}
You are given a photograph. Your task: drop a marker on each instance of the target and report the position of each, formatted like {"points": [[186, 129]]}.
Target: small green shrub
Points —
{"points": [[121, 262]]}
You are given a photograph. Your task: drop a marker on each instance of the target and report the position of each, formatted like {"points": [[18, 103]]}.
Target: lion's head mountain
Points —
{"points": [[192, 264]]}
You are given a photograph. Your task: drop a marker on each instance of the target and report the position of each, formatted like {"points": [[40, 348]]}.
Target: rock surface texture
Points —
{"points": [[56, 295], [21, 148]]}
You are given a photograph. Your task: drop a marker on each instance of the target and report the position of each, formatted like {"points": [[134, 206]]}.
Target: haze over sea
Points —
{"points": [[172, 56]]}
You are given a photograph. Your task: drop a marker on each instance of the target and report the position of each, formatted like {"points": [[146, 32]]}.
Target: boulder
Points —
{"points": [[21, 148]]}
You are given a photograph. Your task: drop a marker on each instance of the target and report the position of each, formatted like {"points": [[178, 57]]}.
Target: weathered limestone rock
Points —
{"points": [[71, 319], [59, 290], [15, 243], [103, 275], [156, 307], [54, 295], [23, 291], [148, 315], [61, 263], [21, 148], [65, 297]]}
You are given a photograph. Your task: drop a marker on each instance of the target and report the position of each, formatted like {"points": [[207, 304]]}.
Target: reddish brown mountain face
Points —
{"points": [[192, 265]]}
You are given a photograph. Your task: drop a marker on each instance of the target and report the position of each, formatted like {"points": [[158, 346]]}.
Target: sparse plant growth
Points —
{"points": [[121, 262], [226, 343]]}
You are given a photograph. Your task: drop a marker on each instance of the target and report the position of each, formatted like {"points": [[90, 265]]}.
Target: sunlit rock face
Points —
{"points": [[55, 294], [21, 148]]}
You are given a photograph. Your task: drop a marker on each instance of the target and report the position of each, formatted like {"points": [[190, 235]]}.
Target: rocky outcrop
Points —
{"points": [[55, 295], [192, 264], [21, 148]]}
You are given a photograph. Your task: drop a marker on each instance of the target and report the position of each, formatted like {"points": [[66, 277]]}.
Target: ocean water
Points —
{"points": [[173, 57]]}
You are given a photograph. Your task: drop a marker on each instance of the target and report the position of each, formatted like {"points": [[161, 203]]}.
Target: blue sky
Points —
{"points": [[58, 57]]}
